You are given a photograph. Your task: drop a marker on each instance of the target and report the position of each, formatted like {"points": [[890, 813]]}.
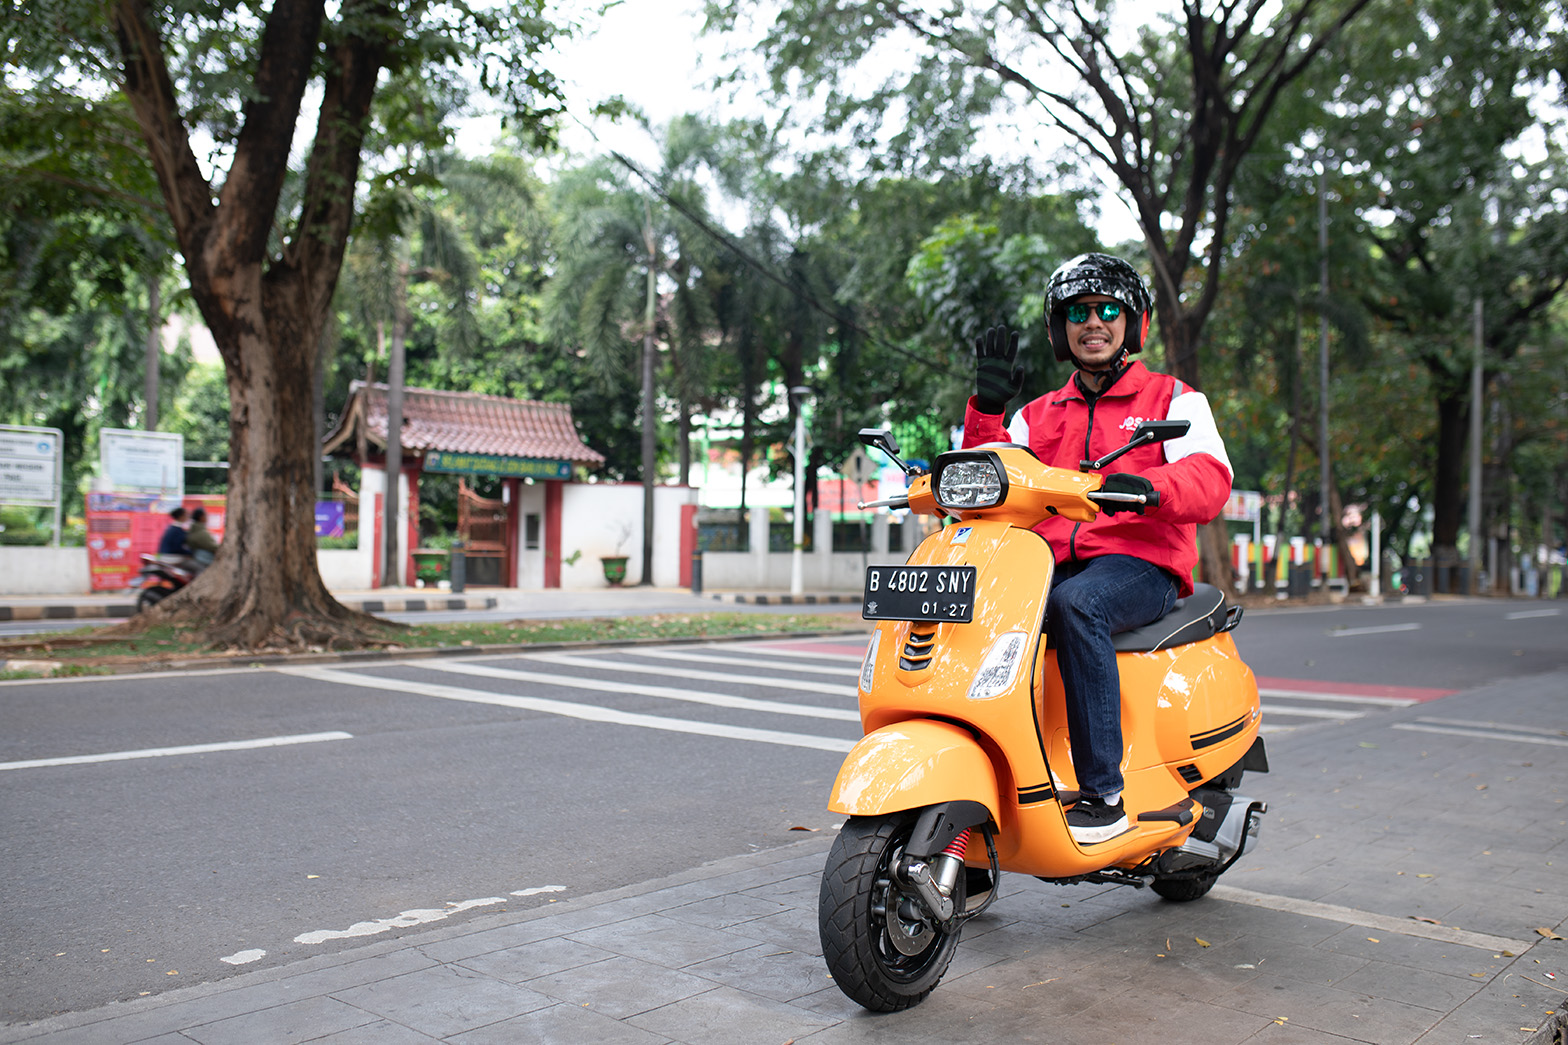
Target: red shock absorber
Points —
{"points": [[958, 846]]}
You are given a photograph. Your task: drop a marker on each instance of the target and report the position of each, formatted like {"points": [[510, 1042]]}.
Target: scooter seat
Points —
{"points": [[1193, 619]]}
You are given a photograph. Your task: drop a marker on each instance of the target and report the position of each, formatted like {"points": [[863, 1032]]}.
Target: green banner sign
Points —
{"points": [[494, 464]]}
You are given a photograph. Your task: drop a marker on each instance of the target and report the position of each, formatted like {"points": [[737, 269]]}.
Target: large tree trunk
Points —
{"points": [[265, 309]]}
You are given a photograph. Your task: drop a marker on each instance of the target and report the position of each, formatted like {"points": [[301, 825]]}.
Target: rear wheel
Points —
{"points": [[882, 947], [150, 597], [1183, 890]]}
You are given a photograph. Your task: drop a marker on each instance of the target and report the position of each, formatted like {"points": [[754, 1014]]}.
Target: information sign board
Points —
{"points": [[143, 462], [494, 464], [29, 465]]}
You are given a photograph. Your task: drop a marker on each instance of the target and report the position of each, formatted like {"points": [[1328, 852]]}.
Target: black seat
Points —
{"points": [[1194, 618]]}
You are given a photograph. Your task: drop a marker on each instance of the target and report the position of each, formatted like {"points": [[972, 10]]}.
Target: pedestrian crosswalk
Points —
{"points": [[751, 690]]}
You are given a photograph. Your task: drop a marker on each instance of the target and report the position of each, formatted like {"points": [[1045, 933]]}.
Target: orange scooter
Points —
{"points": [[966, 729]]}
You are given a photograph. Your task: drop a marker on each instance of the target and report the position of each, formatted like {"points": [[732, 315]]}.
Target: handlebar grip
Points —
{"points": [[1152, 499]]}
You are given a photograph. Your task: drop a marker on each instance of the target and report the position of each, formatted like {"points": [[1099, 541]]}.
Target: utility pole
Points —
{"points": [[1475, 452], [395, 376], [649, 448], [154, 353], [797, 565], [1325, 477]]}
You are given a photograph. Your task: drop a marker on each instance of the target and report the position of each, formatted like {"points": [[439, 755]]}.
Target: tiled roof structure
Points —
{"points": [[466, 422]]}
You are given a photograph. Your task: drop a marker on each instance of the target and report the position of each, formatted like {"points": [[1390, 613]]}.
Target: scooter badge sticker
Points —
{"points": [[961, 534]]}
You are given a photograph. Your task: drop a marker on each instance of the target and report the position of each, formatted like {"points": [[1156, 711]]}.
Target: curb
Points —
{"points": [[99, 610], [776, 599]]}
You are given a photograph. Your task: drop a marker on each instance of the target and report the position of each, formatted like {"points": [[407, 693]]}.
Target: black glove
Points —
{"points": [[997, 379], [1126, 482]]}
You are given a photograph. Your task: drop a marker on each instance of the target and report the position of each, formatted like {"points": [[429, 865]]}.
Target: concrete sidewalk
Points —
{"points": [[1407, 888], [115, 604]]}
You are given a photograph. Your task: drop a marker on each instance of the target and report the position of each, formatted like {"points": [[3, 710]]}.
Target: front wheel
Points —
{"points": [[882, 947], [150, 597]]}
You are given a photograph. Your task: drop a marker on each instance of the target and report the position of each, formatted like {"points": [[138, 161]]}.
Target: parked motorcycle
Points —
{"points": [[162, 576], [965, 760]]}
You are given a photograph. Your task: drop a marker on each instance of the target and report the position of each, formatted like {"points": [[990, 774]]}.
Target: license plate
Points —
{"points": [[936, 593]]}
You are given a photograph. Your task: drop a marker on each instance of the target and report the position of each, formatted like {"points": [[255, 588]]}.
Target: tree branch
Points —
{"points": [[150, 90]]}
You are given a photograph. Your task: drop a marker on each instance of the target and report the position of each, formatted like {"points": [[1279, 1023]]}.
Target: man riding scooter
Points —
{"points": [[1129, 565]]}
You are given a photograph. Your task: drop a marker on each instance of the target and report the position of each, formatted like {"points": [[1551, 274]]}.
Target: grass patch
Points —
{"points": [[86, 651]]}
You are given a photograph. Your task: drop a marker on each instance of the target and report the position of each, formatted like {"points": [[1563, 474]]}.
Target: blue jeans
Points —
{"points": [[1089, 602]]}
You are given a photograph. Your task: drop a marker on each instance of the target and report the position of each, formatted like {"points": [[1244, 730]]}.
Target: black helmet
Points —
{"points": [[1097, 274]]}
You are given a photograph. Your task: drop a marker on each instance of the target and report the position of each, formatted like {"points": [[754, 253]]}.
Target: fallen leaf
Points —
{"points": [[1479, 975], [797, 827], [1429, 921], [1426, 876], [1549, 934], [1202, 943]]}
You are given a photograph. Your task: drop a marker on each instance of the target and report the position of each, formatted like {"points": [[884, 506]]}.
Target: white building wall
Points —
{"points": [[605, 519], [44, 571]]}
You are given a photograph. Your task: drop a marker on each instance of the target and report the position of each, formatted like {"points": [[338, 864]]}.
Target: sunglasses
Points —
{"points": [[1107, 310]]}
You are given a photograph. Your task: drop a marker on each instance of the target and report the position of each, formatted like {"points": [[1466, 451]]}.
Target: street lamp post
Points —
{"points": [[797, 395]]}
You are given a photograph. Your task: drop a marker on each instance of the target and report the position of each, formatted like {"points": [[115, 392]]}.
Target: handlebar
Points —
{"points": [[1152, 500], [901, 501]]}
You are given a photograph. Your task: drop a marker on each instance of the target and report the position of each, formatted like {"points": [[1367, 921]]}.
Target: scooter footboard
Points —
{"points": [[912, 764]]}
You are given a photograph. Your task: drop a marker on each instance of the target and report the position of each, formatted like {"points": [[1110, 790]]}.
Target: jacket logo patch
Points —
{"points": [[1130, 424]]}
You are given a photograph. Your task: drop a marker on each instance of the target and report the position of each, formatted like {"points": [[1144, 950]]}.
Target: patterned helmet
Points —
{"points": [[1097, 274]]}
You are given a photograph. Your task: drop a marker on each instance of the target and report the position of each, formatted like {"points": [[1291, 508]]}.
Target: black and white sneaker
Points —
{"points": [[1092, 820]]}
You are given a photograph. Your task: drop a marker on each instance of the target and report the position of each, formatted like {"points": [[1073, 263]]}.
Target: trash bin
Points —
{"points": [[696, 572]]}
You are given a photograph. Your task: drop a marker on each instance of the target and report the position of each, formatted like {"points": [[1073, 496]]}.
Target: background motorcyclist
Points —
{"points": [[203, 545], [1130, 564], [173, 540]]}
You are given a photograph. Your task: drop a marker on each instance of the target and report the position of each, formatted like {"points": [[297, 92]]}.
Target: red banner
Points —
{"points": [[121, 527]]}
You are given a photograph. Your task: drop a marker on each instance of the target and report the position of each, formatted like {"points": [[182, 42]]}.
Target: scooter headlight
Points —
{"points": [[999, 670], [868, 666], [970, 481]]}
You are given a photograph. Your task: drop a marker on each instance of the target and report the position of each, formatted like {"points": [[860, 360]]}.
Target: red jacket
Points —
{"points": [[1192, 473]]}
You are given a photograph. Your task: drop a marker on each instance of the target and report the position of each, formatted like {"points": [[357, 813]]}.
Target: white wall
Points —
{"points": [[530, 561], [601, 519], [823, 570], [345, 569], [44, 571]]}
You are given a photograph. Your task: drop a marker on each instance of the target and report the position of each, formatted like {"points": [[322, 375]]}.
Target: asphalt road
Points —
{"points": [[416, 793]]}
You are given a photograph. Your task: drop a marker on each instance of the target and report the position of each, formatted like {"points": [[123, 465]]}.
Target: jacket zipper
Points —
{"points": [[1072, 540]]}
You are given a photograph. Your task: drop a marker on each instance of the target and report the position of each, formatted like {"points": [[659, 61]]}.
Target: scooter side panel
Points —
{"points": [[915, 763]]}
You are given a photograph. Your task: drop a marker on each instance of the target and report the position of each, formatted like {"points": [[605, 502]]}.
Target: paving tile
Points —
{"points": [[656, 938], [791, 928], [1413, 952], [1352, 1014], [621, 987], [1142, 1016], [459, 948], [282, 1024], [445, 1000], [718, 912], [559, 1025], [1432, 990], [381, 1032], [766, 972], [532, 960], [354, 973], [725, 1016]]}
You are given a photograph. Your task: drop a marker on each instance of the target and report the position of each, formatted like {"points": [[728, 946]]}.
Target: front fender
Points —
{"points": [[913, 764]]}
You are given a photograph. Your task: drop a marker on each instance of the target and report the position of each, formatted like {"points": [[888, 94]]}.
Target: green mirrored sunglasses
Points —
{"points": [[1079, 311]]}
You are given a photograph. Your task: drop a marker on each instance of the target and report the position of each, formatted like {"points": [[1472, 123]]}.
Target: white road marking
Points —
{"points": [[1338, 698], [781, 651], [610, 664], [750, 662], [1381, 629], [1527, 614], [1382, 922], [722, 700], [587, 712], [1281, 709], [401, 921], [536, 890], [190, 749], [1505, 727], [245, 957], [1455, 731]]}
